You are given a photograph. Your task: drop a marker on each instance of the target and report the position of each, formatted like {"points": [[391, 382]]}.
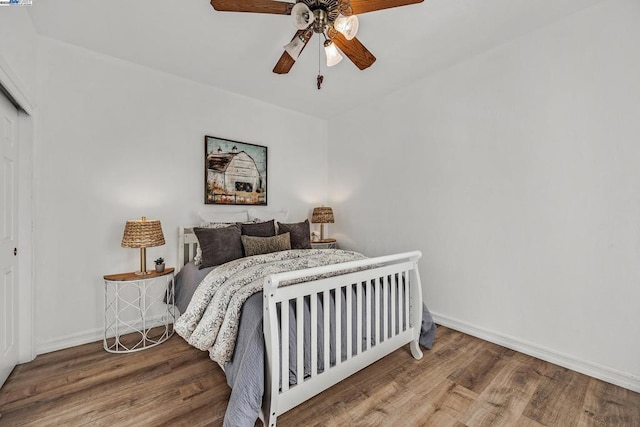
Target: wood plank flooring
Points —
{"points": [[462, 381]]}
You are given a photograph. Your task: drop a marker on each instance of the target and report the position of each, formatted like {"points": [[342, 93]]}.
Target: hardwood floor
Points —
{"points": [[462, 381]]}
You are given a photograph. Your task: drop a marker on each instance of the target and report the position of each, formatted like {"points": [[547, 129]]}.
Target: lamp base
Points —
{"points": [[143, 263], [142, 273]]}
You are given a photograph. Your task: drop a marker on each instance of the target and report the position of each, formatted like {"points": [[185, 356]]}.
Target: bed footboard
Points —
{"points": [[364, 311]]}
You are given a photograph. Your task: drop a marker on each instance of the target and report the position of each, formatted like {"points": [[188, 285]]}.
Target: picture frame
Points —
{"points": [[235, 173]]}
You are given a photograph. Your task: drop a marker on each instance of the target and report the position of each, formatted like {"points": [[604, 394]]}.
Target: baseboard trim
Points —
{"points": [[595, 370], [71, 340], [601, 372]]}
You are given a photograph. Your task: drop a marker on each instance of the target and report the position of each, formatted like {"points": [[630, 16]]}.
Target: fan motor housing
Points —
{"points": [[323, 10], [320, 21]]}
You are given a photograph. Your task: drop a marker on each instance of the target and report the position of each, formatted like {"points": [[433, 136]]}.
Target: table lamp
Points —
{"points": [[322, 215], [142, 233]]}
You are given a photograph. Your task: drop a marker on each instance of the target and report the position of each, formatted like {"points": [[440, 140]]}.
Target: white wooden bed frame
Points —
{"points": [[393, 277]]}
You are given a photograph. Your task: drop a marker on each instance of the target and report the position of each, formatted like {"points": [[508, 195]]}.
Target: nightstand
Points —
{"points": [[325, 244], [136, 315]]}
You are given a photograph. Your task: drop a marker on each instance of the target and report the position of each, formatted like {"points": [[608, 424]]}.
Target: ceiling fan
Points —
{"points": [[336, 20]]}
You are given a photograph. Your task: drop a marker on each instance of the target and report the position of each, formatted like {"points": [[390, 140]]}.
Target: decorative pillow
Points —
{"points": [[259, 214], [265, 245], [299, 234], [217, 224], [197, 260], [259, 229], [219, 245]]}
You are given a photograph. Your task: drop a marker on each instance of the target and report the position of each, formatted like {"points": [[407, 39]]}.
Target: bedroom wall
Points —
{"points": [[18, 60], [116, 141], [18, 45], [516, 174]]}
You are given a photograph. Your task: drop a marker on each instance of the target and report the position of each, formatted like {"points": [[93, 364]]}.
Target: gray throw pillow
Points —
{"points": [[198, 258], [260, 229], [219, 245], [265, 245], [299, 234]]}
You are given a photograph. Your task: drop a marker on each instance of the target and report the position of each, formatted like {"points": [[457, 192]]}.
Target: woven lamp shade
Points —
{"points": [[322, 215], [142, 233]]}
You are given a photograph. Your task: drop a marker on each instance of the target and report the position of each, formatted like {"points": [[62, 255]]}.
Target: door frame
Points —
{"points": [[18, 95]]}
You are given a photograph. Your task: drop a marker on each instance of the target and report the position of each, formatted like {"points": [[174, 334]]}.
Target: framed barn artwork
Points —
{"points": [[235, 173]]}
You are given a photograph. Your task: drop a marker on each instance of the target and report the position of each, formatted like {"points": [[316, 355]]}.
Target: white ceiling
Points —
{"points": [[237, 51]]}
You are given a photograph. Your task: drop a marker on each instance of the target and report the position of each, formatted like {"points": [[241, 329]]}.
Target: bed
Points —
{"points": [[289, 314]]}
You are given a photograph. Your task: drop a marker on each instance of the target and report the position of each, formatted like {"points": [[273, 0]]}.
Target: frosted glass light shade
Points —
{"points": [[294, 47], [302, 16], [333, 56], [347, 25]]}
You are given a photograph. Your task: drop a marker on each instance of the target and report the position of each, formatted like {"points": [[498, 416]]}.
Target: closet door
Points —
{"points": [[8, 237]]}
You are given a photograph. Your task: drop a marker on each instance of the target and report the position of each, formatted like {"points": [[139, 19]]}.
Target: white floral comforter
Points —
{"points": [[211, 321]]}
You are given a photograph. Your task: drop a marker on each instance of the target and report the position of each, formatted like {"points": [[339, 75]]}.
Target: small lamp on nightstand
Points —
{"points": [[322, 215], [142, 233]]}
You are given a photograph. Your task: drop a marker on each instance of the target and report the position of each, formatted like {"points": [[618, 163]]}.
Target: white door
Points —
{"points": [[8, 237]]}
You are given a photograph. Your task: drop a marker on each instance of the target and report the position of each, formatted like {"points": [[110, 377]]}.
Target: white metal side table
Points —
{"points": [[139, 311]]}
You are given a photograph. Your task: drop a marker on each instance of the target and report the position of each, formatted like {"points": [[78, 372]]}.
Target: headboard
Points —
{"points": [[187, 245]]}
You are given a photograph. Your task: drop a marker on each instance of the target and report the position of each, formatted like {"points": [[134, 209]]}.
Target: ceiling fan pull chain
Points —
{"points": [[320, 77]]}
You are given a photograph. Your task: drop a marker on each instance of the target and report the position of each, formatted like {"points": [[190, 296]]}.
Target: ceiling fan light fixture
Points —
{"points": [[347, 25], [302, 16], [332, 53], [294, 47]]}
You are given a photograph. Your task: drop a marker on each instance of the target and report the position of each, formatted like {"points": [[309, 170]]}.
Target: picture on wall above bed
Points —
{"points": [[235, 173]]}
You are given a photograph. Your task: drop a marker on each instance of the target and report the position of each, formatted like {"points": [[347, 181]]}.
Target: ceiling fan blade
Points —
{"points": [[357, 53], [254, 6], [286, 61], [284, 64], [364, 6]]}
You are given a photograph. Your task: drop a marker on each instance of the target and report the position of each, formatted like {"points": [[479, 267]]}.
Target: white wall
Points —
{"points": [[18, 44], [18, 59], [116, 141], [517, 174]]}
